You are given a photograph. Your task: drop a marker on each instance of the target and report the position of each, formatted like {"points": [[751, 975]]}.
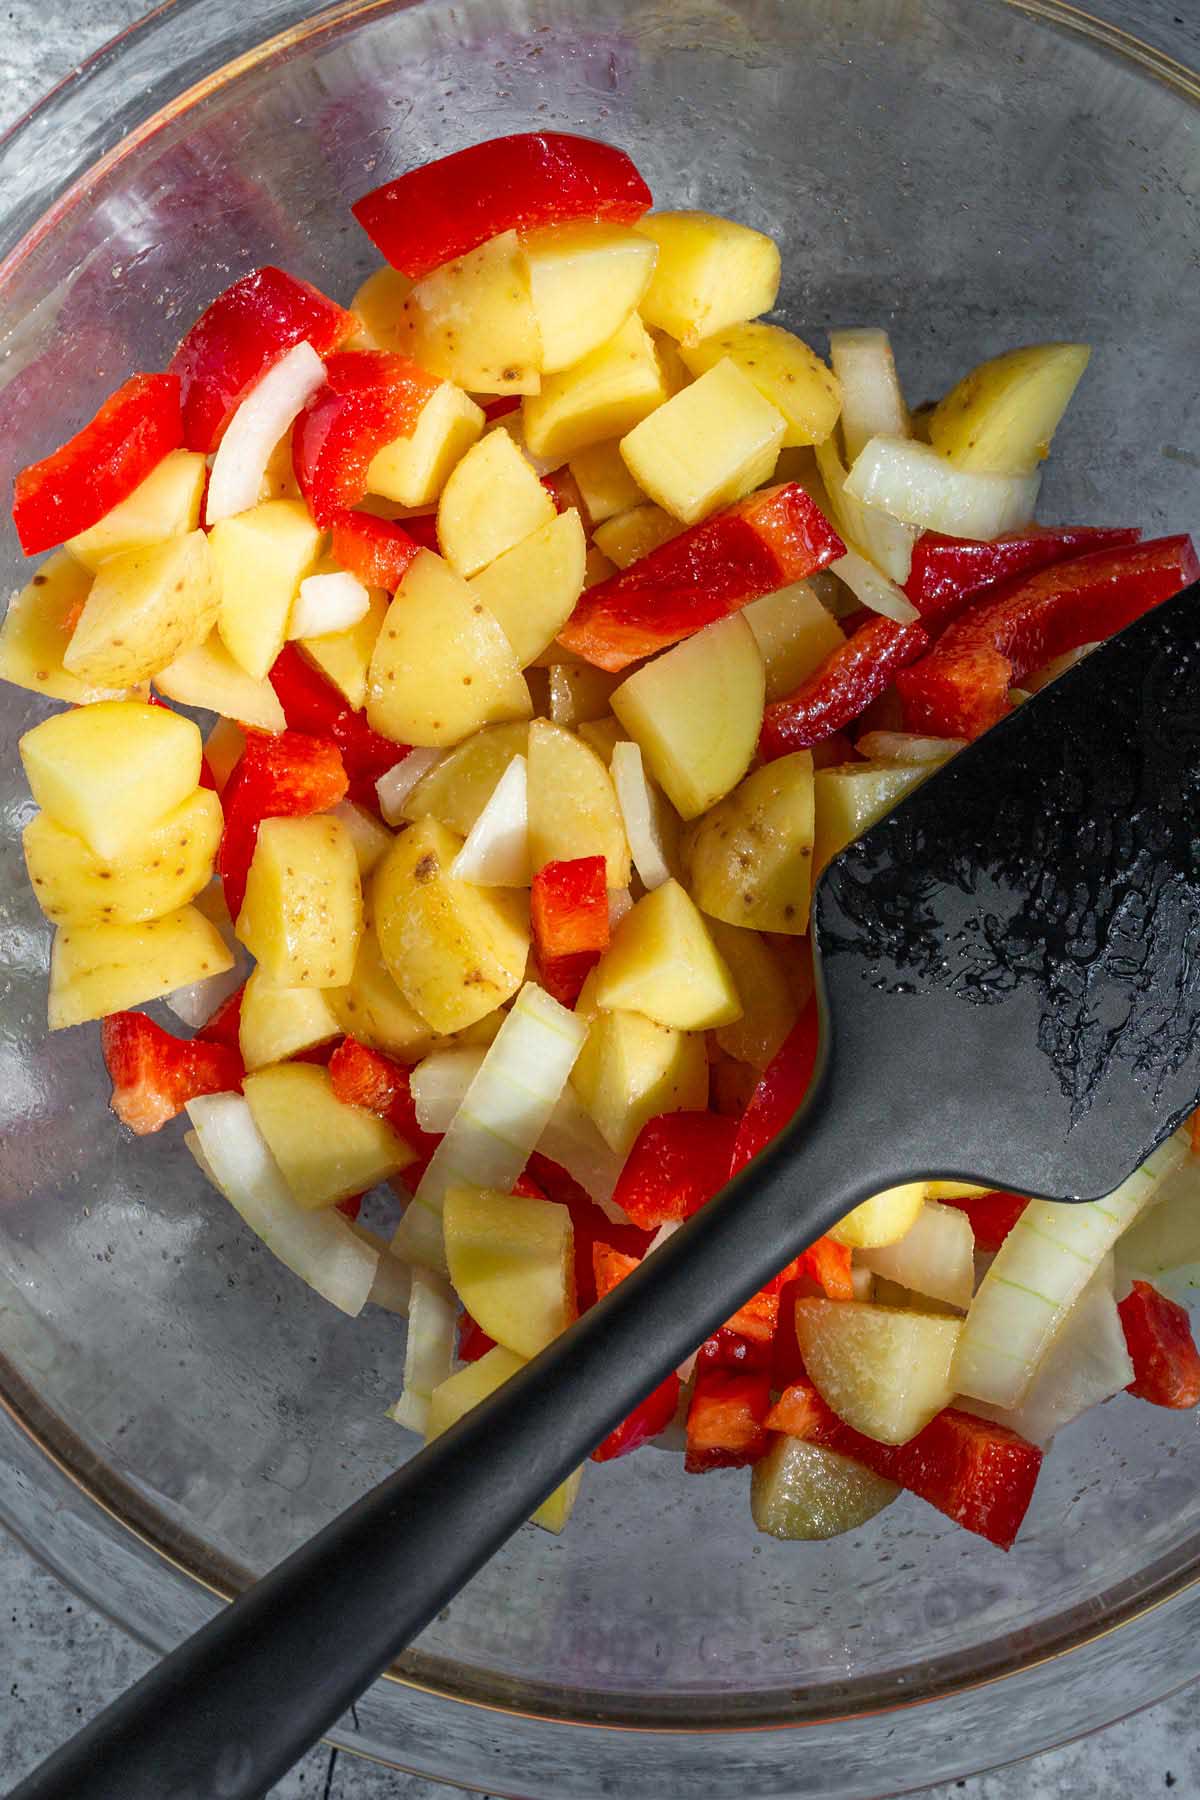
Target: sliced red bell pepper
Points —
{"points": [[370, 397], [446, 208], [757, 1318], [1158, 1336], [948, 571], [500, 407], [678, 1161], [725, 1349], [828, 1264], [646, 1421], [783, 1085], [961, 687], [590, 1225], [242, 334], [378, 551], [726, 1419], [787, 1358], [568, 913], [281, 775], [842, 688], [797, 1411], [422, 529], [154, 1075], [224, 1026], [762, 543], [992, 1216], [312, 704], [567, 495], [351, 1207], [609, 1267], [473, 1340], [83, 479], [367, 1078]]}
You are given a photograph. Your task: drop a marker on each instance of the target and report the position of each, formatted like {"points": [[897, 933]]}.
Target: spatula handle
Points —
{"points": [[230, 1710]]}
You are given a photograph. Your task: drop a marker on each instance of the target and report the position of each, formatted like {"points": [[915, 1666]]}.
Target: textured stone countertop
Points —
{"points": [[63, 1662]]}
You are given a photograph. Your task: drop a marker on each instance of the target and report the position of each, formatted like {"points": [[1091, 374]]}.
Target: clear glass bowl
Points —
{"points": [[180, 1411]]}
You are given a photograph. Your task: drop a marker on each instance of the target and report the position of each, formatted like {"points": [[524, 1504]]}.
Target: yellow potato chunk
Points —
{"points": [[161, 871], [851, 797], [1001, 417], [886, 1373], [663, 963], [379, 303], [491, 501], [455, 951], [794, 634], [801, 1492], [442, 666], [883, 1219], [532, 588], [326, 1150], [585, 279], [261, 557], [580, 694], [276, 1022], [415, 469], [696, 712], [769, 1008], [461, 1392], [460, 784], [372, 1009], [603, 735], [101, 969], [207, 676], [572, 804], [751, 857], [783, 369], [631, 1069], [604, 395], [302, 914], [165, 505], [222, 748], [598, 567], [710, 273], [472, 321], [635, 533], [144, 607], [37, 629], [512, 1265], [109, 772], [344, 657], [707, 446], [604, 481]]}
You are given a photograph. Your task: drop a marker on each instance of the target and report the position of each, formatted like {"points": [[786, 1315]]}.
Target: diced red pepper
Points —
{"points": [[312, 704], [678, 1161], [422, 529], [726, 1350], [281, 775], [242, 334], [473, 1340], [828, 1264], [992, 1216], [567, 495], [351, 1207], [948, 571], [83, 479], [787, 1358], [320, 1055], [568, 912], [757, 1318], [797, 1411], [501, 406], [154, 1075], [783, 1085], [589, 1223], [1158, 1336], [609, 1267], [367, 1078], [842, 688], [764, 542], [225, 1025], [370, 397], [378, 551], [646, 1421], [726, 1420], [446, 208], [961, 687]]}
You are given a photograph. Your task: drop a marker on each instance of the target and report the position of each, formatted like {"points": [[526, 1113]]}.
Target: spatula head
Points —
{"points": [[1011, 959]]}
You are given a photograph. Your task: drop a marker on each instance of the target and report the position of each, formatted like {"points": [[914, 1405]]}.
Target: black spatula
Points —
{"points": [[1010, 968]]}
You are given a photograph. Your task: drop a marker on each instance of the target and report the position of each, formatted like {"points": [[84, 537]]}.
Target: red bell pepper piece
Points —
{"points": [[286, 775], [787, 1358], [725, 1349], [842, 688], [646, 1421], [726, 1420], [473, 1340], [100, 466], [828, 1264], [589, 1224], [758, 1317], [797, 1411], [948, 571], [224, 1026], [312, 704], [992, 1216], [367, 1078], [609, 1267], [378, 551], [242, 334], [422, 529], [568, 913], [154, 1075], [351, 1207], [762, 543], [500, 407], [961, 687], [567, 495], [783, 1085], [446, 208], [370, 397], [1158, 1336], [678, 1161]]}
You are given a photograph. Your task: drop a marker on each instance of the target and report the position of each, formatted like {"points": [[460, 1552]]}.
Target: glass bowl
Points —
{"points": [[179, 1410]]}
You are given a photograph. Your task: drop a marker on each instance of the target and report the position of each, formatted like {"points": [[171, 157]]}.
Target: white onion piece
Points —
{"points": [[660, 1237], [1038, 1273], [907, 747], [862, 1281], [917, 486], [429, 1349], [394, 787], [874, 534], [620, 902], [1167, 1235], [319, 1246], [392, 1286], [328, 604], [873, 589], [872, 403], [936, 1256], [501, 1120], [196, 1003], [496, 851], [256, 427], [644, 813], [439, 1084]]}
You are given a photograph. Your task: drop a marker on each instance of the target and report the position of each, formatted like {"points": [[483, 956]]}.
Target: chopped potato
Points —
{"points": [[580, 693], [769, 1008], [794, 634], [36, 632], [604, 481], [415, 469], [572, 804], [631, 1069], [168, 864], [662, 962], [165, 505], [850, 797], [344, 657], [372, 1009], [208, 677], [302, 914], [710, 273], [512, 1265], [887, 1374], [464, 1390], [492, 501], [460, 784], [326, 1151], [751, 857], [472, 321], [379, 303], [261, 556], [635, 533], [803, 1492], [585, 278], [145, 607], [277, 1022], [1001, 417], [111, 771], [603, 396], [532, 588], [707, 446], [100, 969], [785, 372], [883, 1219]]}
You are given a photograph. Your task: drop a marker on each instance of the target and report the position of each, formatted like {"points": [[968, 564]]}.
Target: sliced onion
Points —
{"points": [[936, 1256], [862, 1281], [872, 403], [620, 902], [439, 1084], [1167, 1235], [647, 820], [907, 747], [392, 1286], [874, 534], [917, 486], [502, 1117], [196, 1003], [256, 427], [496, 851], [397, 784], [319, 1247], [873, 589], [328, 604], [429, 1349], [1037, 1275]]}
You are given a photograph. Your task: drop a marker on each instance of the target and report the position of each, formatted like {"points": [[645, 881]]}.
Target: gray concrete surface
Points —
{"points": [[62, 1662]]}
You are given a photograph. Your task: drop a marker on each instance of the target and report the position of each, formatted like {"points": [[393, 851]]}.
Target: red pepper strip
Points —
{"points": [[948, 571], [378, 551], [1158, 1336], [370, 398], [154, 1075], [656, 1411], [351, 1208], [787, 1359], [726, 1350], [446, 208], [242, 334], [678, 1162], [828, 1264], [473, 1340], [312, 704], [422, 529], [589, 1224], [100, 466], [961, 687], [842, 687], [725, 1423], [771, 538], [364, 1077], [609, 1267], [992, 1216], [567, 495], [568, 913], [783, 1085], [224, 1026], [500, 407], [797, 1410], [285, 775]]}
